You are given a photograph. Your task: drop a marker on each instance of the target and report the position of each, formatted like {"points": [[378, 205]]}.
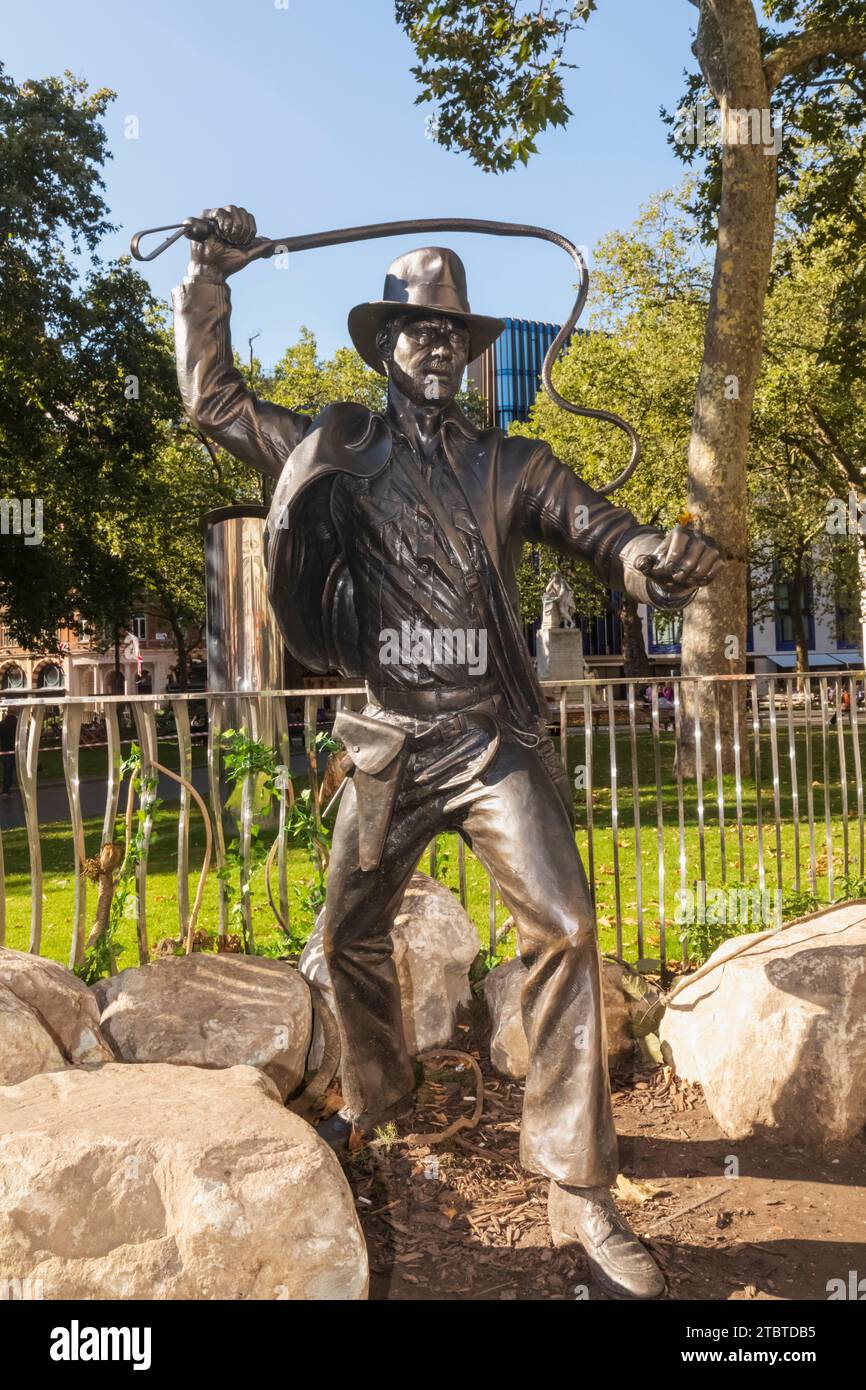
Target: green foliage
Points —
{"points": [[314, 834], [101, 959], [248, 762], [387, 1136], [703, 937], [798, 904], [822, 112], [249, 758], [442, 858], [647, 307], [69, 347], [493, 70]]}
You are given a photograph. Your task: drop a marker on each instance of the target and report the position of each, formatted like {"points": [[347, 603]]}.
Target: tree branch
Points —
{"points": [[828, 42]]}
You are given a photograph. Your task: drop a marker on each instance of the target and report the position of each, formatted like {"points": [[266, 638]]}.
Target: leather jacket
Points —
{"points": [[517, 489]]}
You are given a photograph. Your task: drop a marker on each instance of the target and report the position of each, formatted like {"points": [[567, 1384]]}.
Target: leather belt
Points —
{"points": [[423, 703], [463, 722]]}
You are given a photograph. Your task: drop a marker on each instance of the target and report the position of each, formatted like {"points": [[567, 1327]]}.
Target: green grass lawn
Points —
{"points": [[701, 863]]}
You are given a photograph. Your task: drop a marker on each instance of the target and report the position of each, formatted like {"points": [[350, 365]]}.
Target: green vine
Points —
{"points": [[101, 959]]}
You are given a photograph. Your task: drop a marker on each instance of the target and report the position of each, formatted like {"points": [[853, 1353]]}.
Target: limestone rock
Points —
{"points": [[65, 1005], [435, 943], [26, 1046], [169, 1182], [211, 1011], [776, 1035], [508, 1049]]}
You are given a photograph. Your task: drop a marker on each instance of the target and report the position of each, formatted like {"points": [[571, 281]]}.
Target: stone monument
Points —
{"points": [[559, 643]]}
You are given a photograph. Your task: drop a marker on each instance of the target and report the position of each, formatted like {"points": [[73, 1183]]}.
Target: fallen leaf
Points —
{"points": [[631, 1191], [357, 1140]]}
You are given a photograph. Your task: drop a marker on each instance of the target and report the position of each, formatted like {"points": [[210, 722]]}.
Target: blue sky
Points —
{"points": [[305, 116]]}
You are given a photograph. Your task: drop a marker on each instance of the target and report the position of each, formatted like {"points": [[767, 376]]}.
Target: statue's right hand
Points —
{"points": [[232, 246]]}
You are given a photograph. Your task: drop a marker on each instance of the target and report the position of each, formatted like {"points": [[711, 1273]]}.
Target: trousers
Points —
{"points": [[515, 820]]}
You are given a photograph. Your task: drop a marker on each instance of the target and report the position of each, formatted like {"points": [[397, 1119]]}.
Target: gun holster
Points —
{"points": [[377, 753]]}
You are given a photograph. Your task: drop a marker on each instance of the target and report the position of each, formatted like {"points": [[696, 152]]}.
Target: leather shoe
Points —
{"points": [[587, 1216]]}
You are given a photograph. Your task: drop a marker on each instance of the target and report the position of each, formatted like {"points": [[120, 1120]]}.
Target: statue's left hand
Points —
{"points": [[680, 562]]}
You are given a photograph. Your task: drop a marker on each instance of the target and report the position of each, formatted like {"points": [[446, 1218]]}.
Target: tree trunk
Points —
{"points": [[801, 637], [634, 653], [714, 628]]}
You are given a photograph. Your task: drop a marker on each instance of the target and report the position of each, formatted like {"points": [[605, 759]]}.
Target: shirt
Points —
{"points": [[420, 626]]}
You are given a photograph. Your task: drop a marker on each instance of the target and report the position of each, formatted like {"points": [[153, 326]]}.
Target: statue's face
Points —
{"points": [[428, 358]]}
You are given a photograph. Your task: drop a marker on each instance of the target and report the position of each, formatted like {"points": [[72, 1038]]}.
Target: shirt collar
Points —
{"points": [[454, 418]]}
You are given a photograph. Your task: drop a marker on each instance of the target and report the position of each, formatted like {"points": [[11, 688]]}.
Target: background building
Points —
{"points": [[508, 373], [84, 666]]}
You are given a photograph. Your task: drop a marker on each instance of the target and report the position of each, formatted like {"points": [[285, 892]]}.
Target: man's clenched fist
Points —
{"points": [[679, 563], [231, 247]]}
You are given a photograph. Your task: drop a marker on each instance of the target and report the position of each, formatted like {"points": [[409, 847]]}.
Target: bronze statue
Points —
{"points": [[411, 523]]}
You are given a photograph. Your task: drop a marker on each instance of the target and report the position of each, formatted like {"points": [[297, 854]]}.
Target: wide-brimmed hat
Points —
{"points": [[433, 280]]}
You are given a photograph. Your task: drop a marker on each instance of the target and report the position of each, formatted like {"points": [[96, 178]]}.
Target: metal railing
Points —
{"points": [[662, 829]]}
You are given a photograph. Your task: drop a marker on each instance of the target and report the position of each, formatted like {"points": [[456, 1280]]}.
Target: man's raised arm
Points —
{"points": [[560, 509], [214, 393]]}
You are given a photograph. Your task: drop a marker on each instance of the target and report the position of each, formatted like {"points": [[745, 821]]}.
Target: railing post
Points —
{"points": [[795, 791], [858, 770], [660, 820], [27, 756], [681, 821], [246, 835], [216, 714], [825, 763], [635, 792], [113, 779], [180, 709], [777, 806], [71, 742], [614, 815], [588, 733], [145, 726]]}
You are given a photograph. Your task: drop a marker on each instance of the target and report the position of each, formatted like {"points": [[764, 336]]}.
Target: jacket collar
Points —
{"points": [[453, 419], [457, 420]]}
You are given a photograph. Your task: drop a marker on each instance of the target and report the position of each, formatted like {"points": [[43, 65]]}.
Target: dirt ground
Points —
{"points": [[463, 1221]]}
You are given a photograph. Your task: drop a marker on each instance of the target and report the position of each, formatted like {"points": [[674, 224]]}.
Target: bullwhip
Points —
{"points": [[199, 228]]}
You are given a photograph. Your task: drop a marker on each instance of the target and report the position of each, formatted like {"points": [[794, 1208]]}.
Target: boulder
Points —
{"points": [[435, 943], [774, 1029], [65, 1005], [211, 1011], [169, 1182], [508, 1048], [26, 1046]]}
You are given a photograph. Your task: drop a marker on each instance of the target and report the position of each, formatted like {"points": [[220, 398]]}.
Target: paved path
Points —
{"points": [[54, 806]]}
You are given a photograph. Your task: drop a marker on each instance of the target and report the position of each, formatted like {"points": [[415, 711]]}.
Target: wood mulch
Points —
{"points": [[726, 1219]]}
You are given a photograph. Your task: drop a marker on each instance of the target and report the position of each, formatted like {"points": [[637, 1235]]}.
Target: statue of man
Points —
{"points": [[392, 546], [557, 604]]}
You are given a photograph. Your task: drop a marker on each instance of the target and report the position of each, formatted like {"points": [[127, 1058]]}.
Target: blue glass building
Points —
{"points": [[508, 374]]}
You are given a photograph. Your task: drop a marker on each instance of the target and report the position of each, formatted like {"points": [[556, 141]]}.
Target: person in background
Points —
{"points": [[844, 705], [8, 730]]}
